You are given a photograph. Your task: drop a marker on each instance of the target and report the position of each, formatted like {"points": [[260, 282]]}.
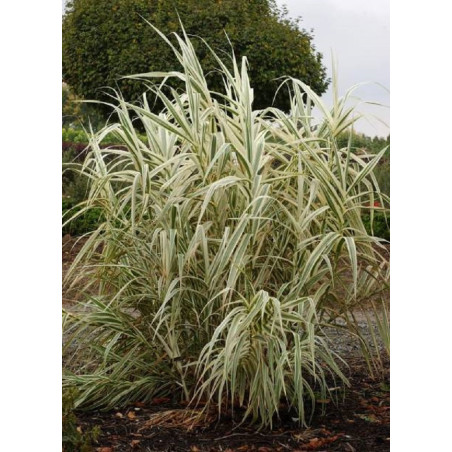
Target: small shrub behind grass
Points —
{"points": [[380, 225], [88, 221], [74, 439]]}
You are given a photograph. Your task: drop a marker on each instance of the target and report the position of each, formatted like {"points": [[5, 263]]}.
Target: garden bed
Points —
{"points": [[359, 422]]}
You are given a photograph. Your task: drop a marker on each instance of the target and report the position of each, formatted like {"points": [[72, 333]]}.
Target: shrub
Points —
{"points": [[88, 221], [373, 145], [73, 151], [382, 174], [74, 439], [227, 244], [75, 186], [379, 227]]}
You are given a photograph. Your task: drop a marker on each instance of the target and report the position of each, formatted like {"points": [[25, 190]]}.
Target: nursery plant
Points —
{"points": [[231, 242]]}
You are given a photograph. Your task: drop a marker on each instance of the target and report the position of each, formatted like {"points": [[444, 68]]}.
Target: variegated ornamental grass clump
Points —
{"points": [[231, 238]]}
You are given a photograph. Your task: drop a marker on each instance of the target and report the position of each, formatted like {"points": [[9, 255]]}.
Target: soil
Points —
{"points": [[359, 421]]}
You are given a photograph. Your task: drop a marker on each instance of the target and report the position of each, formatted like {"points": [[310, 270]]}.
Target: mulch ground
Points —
{"points": [[358, 422]]}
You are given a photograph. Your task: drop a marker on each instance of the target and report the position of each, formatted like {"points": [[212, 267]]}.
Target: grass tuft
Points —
{"points": [[230, 238]]}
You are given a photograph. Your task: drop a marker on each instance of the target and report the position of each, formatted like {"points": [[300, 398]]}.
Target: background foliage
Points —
{"points": [[104, 40], [77, 114], [363, 143]]}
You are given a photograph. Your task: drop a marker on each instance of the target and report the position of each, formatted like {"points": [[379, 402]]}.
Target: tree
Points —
{"points": [[104, 40]]}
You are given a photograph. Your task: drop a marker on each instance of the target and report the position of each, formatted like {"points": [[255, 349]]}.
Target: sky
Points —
{"points": [[356, 33]]}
